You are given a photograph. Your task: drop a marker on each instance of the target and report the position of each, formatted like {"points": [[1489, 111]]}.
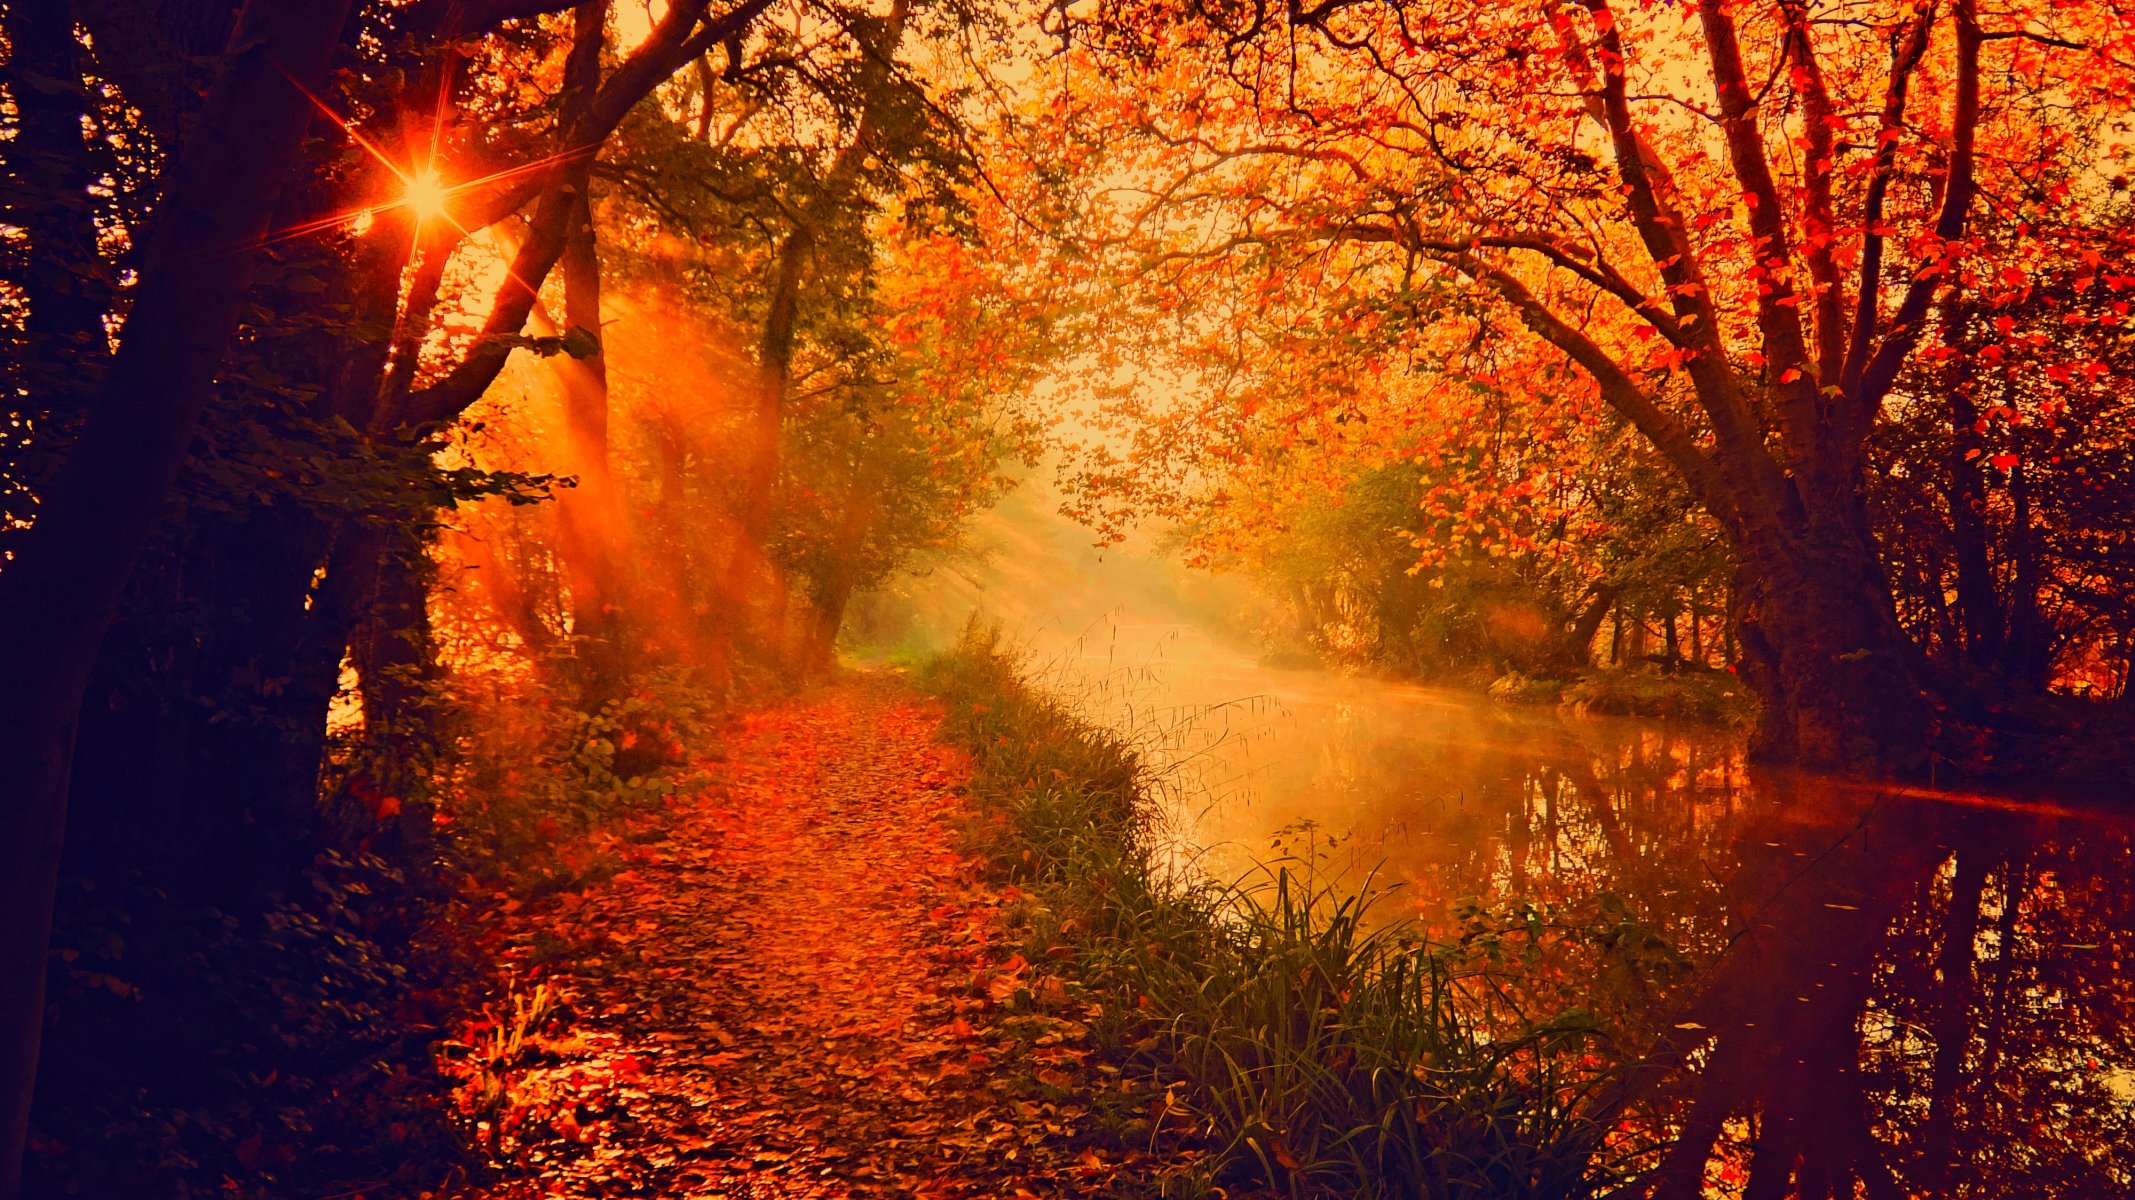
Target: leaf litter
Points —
{"points": [[787, 984]]}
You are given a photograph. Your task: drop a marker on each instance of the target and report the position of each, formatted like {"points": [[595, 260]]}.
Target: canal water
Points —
{"points": [[1844, 990]]}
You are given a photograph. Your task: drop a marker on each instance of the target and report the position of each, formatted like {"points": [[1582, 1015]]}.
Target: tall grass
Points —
{"points": [[1301, 1047]]}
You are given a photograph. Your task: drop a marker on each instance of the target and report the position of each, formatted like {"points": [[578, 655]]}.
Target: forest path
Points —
{"points": [[788, 990]]}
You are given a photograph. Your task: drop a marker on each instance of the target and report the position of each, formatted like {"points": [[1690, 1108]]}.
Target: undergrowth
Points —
{"points": [[1300, 1046], [311, 1041]]}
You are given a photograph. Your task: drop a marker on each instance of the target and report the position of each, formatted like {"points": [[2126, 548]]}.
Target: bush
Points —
{"points": [[1298, 1045]]}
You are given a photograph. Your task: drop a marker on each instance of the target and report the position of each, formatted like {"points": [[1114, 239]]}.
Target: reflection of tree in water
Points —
{"points": [[1924, 1000], [1884, 997], [1830, 992]]}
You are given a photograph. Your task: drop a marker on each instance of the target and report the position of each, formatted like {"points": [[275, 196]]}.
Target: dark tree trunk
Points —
{"points": [[587, 514], [828, 613], [391, 645], [58, 596], [1822, 649], [1979, 615], [253, 767], [1579, 640], [2028, 650], [395, 657]]}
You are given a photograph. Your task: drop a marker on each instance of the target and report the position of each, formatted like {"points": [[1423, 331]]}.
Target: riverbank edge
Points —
{"points": [[1691, 695], [1298, 1048]]}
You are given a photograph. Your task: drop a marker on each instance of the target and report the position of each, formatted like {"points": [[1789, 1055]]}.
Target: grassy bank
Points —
{"points": [[1298, 1047]]}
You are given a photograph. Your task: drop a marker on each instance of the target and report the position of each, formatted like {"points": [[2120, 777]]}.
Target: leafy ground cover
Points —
{"points": [[787, 982]]}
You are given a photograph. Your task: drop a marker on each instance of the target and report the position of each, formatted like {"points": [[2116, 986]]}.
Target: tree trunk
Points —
{"points": [[829, 614], [1978, 614], [58, 596], [2028, 650], [750, 564], [1634, 642], [587, 513], [395, 661], [1579, 641], [1822, 649], [391, 644]]}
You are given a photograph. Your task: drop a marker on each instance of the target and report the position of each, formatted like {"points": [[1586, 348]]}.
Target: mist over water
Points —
{"points": [[1253, 759], [1946, 971]]}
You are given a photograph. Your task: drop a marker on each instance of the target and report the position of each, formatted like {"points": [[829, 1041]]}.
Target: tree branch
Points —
{"points": [[673, 42], [1819, 224], [1649, 195], [1906, 52], [1778, 312], [1959, 189], [1618, 389]]}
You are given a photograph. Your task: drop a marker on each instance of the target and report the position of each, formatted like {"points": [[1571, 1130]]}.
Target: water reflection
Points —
{"points": [[1833, 991]]}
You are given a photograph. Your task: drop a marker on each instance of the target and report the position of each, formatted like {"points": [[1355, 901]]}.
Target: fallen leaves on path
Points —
{"points": [[790, 985]]}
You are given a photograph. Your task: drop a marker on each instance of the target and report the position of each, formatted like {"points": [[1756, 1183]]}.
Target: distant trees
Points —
{"points": [[1449, 530]]}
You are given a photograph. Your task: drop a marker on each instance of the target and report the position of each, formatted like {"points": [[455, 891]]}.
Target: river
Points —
{"points": [[1854, 990]]}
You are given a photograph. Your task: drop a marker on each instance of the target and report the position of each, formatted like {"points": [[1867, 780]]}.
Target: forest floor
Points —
{"points": [[791, 982]]}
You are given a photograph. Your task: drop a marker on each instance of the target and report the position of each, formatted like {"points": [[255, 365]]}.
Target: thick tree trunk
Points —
{"points": [[1822, 649], [252, 772], [828, 612], [58, 596]]}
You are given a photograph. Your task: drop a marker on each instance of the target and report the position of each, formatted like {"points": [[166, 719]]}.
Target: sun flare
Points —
{"points": [[425, 195]]}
